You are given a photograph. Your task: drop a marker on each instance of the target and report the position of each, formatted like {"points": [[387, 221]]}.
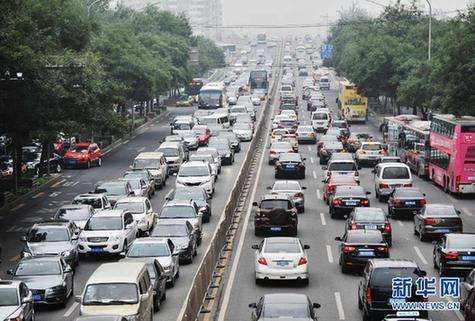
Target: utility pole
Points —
{"points": [[430, 31]]}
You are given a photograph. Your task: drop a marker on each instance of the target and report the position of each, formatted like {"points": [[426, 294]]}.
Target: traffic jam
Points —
{"points": [[352, 215]]}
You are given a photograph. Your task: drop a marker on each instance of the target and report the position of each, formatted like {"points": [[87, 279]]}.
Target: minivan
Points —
{"points": [[388, 176], [174, 154], [221, 119], [324, 83], [155, 163], [321, 119], [113, 283]]}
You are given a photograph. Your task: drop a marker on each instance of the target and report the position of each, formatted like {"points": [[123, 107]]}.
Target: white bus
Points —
{"points": [[212, 96]]}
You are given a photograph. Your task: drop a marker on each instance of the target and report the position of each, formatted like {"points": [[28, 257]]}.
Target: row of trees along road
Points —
{"points": [[387, 57], [73, 66]]}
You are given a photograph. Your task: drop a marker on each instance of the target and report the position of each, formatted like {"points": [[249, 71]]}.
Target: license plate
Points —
{"points": [[282, 263], [468, 258], [71, 162], [291, 166], [276, 229], [366, 253], [97, 249], [442, 230], [410, 203], [351, 203], [371, 227], [36, 297]]}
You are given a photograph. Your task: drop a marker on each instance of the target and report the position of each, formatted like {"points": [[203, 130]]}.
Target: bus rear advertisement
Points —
{"points": [[353, 107]]}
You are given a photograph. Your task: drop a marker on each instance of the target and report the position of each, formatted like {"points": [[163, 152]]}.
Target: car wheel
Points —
{"points": [[305, 282], [434, 261], [58, 168], [442, 270], [257, 232], [164, 296], [366, 316], [171, 283], [360, 304], [156, 303]]}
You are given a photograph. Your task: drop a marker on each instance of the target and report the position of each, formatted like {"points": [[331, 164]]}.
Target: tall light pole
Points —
{"points": [[430, 30]]}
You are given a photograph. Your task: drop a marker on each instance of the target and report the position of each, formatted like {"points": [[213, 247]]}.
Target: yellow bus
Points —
{"points": [[352, 107]]}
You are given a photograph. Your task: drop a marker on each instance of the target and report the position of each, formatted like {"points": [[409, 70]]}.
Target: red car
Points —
{"points": [[331, 182], [203, 134], [83, 155]]}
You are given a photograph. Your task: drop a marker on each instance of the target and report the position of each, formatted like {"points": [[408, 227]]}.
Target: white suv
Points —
{"points": [[141, 210], [196, 173], [321, 119], [108, 232], [388, 176]]}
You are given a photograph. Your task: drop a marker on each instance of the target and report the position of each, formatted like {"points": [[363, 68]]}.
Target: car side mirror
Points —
{"points": [[255, 247], [28, 299], [338, 238], [144, 297], [254, 204], [23, 238], [253, 305], [424, 194], [316, 305], [359, 167], [10, 271], [368, 193], [132, 193], [268, 188], [304, 187], [324, 168], [68, 269], [306, 247], [434, 242], [77, 298]]}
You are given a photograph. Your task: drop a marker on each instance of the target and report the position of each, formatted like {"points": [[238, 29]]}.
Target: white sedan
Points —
{"points": [[281, 258]]}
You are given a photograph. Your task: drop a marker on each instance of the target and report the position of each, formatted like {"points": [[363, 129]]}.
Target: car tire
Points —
{"points": [[171, 284], [367, 317], [442, 271], [360, 304], [305, 282], [390, 242], [156, 303], [321, 162], [198, 241]]}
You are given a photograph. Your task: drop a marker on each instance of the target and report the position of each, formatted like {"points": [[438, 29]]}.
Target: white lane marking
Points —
{"points": [[312, 160], [141, 149], [71, 309], [125, 141], [420, 255], [242, 236], [58, 183], [400, 223], [55, 194], [339, 306], [74, 183], [322, 217], [457, 313], [466, 211], [330, 254], [314, 175], [309, 148], [319, 194]]}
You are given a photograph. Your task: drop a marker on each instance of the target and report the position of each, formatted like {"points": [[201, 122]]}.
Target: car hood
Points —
{"points": [[180, 241], [139, 192], [107, 233], [6, 311], [37, 248], [121, 309], [171, 158], [192, 179], [40, 282], [193, 221], [164, 260]]}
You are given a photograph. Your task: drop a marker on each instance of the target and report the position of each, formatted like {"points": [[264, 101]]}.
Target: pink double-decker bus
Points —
{"points": [[452, 153]]}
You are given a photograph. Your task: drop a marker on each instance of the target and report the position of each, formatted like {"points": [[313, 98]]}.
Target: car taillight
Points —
{"points": [[408, 185], [387, 227], [262, 261], [451, 255], [383, 185], [369, 297], [337, 202], [353, 226], [302, 261], [365, 202], [383, 249], [348, 249], [397, 203], [298, 195], [331, 188], [273, 151], [422, 202], [301, 165], [430, 221]]}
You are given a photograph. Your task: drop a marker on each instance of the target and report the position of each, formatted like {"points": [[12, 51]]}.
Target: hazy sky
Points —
{"points": [[307, 11]]}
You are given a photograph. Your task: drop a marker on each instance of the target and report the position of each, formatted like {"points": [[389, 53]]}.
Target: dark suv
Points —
{"points": [[375, 287], [275, 214]]}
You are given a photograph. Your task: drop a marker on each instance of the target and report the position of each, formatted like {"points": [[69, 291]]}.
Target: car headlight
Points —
{"points": [[203, 209], [167, 268], [115, 238], [55, 288], [66, 253]]}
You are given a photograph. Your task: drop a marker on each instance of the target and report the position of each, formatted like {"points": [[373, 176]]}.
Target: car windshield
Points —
{"points": [[38, 267], [370, 216], [286, 186], [169, 152], [166, 230], [441, 211], [132, 207], [193, 171], [364, 238], [177, 212], [145, 249], [320, 116], [182, 126], [140, 163], [305, 129], [48, 234], [199, 130], [73, 213], [343, 167], [94, 202], [241, 126], [292, 311], [271, 204], [372, 147], [461, 241], [103, 223], [290, 157], [187, 194], [396, 173], [8, 297], [408, 192], [282, 247], [110, 294], [112, 189], [203, 157], [382, 277], [281, 145]]}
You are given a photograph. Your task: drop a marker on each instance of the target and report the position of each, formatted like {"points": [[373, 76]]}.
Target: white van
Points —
{"points": [[155, 163], [388, 176], [221, 119], [174, 154], [324, 83], [113, 283], [321, 119]]}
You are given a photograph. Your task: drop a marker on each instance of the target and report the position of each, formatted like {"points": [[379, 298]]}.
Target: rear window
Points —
{"points": [[271, 204], [396, 173], [370, 216], [323, 116], [441, 211], [402, 192], [372, 147], [382, 277], [364, 238], [461, 242], [276, 247], [340, 166]]}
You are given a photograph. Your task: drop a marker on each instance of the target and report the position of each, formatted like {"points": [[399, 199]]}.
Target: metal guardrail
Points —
{"points": [[204, 275]]}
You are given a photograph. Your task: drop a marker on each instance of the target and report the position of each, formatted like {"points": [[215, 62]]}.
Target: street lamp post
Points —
{"points": [[430, 30]]}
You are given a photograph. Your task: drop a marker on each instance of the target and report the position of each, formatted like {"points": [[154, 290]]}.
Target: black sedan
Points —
{"points": [[370, 218], [454, 253], [435, 220], [181, 234], [405, 201], [358, 246], [345, 199], [290, 164], [284, 306], [49, 278]]}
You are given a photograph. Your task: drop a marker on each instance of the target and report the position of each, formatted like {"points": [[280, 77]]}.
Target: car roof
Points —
{"points": [[55, 223], [9, 283], [135, 199], [149, 155], [41, 258], [89, 195], [169, 145], [109, 213], [177, 203], [338, 178], [285, 298], [114, 272], [281, 239], [278, 196], [75, 206], [101, 318], [194, 164], [384, 165], [393, 263]]}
